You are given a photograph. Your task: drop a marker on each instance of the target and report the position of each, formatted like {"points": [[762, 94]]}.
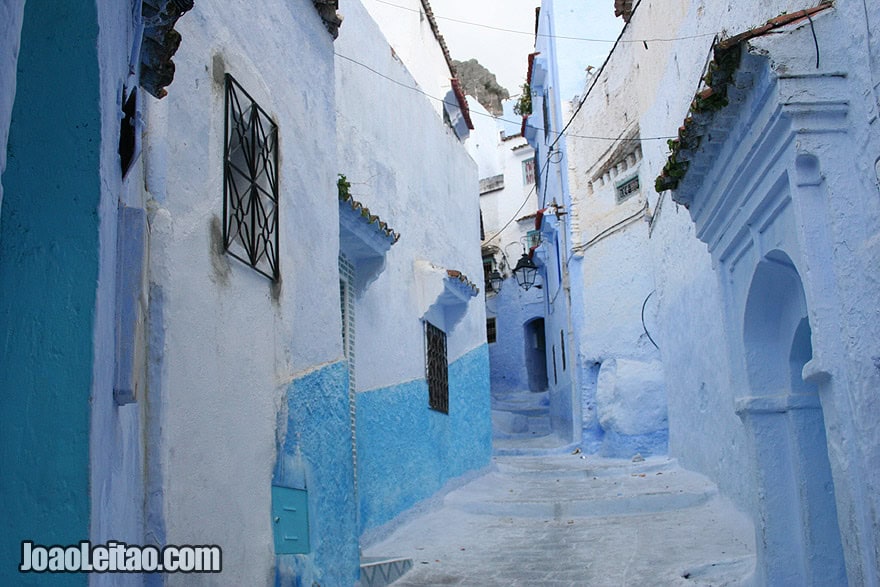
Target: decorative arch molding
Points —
{"points": [[762, 172]]}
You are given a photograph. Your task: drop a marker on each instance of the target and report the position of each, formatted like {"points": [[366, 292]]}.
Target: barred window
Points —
{"points": [[627, 189], [250, 182], [491, 333], [436, 368]]}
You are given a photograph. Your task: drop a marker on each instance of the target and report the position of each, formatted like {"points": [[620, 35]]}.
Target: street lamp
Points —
{"points": [[495, 280], [525, 272]]}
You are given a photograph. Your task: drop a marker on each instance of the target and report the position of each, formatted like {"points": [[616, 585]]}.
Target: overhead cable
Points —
{"points": [[544, 35]]}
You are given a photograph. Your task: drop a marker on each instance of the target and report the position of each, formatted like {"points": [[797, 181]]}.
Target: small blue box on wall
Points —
{"points": [[290, 520]]}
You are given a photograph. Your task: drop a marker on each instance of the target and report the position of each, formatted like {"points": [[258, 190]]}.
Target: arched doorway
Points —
{"points": [[535, 354], [797, 534]]}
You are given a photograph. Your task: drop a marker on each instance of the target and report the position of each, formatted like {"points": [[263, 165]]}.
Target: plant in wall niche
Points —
{"points": [[523, 106], [673, 171], [344, 187], [688, 135], [709, 101]]}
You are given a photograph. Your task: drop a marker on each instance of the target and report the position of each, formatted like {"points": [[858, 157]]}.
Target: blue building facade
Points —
{"points": [[550, 76]]}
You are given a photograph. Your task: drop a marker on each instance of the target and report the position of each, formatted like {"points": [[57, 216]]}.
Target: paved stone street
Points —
{"points": [[568, 519]]}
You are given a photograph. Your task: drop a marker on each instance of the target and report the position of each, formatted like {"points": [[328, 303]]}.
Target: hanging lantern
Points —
{"points": [[525, 272]]}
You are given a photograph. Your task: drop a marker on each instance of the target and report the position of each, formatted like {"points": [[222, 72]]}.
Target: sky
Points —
{"points": [[506, 53]]}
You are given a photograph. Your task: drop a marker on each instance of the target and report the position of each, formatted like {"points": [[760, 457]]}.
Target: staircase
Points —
{"points": [[572, 519], [521, 424]]}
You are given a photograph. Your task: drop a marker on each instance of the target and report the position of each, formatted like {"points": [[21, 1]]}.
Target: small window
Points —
{"points": [[562, 347], [490, 330], [129, 140], [488, 265], [548, 128], [626, 189], [529, 171], [555, 378], [250, 182], [436, 368]]}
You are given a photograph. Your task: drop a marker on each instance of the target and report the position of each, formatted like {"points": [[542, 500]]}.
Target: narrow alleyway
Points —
{"points": [[565, 519]]}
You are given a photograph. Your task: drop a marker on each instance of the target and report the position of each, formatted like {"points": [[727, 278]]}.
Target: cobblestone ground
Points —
{"points": [[574, 520]]}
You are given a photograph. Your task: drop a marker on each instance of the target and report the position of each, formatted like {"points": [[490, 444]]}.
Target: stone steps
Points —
{"points": [[589, 487]]}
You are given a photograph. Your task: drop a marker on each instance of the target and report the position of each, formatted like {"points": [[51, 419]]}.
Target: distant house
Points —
{"points": [[240, 291]]}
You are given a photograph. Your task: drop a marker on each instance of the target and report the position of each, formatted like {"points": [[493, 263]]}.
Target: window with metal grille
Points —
{"points": [[627, 189], [250, 182], [491, 335], [529, 171], [436, 368], [488, 265]]}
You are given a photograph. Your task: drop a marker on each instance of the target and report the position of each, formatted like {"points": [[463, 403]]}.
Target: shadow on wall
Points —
{"points": [[535, 354]]}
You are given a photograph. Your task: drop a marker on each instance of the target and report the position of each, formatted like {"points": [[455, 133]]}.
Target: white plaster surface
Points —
{"points": [[406, 28], [482, 143], [631, 397], [225, 342], [427, 194]]}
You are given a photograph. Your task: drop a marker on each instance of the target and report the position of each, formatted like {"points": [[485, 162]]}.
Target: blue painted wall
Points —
{"points": [[406, 451], [48, 274], [512, 308], [318, 425]]}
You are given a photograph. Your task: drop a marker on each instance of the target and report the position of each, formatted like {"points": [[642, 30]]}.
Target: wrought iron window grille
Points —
{"points": [[250, 182], [437, 369]]}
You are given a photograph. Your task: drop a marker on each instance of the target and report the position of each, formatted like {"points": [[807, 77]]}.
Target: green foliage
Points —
{"points": [[344, 187], [523, 106]]}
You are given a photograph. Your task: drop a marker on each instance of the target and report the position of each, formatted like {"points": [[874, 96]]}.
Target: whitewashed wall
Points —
{"points": [[419, 179], [409, 33], [225, 342]]}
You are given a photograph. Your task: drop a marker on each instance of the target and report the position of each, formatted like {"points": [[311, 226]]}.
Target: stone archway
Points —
{"points": [[798, 538]]}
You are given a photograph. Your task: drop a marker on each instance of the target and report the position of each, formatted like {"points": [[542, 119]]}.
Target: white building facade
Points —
{"points": [[762, 313]]}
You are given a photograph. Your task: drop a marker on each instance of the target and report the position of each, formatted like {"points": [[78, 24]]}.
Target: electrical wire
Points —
{"points": [[544, 35], [612, 229], [815, 40], [559, 135], [496, 118], [645, 328]]}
